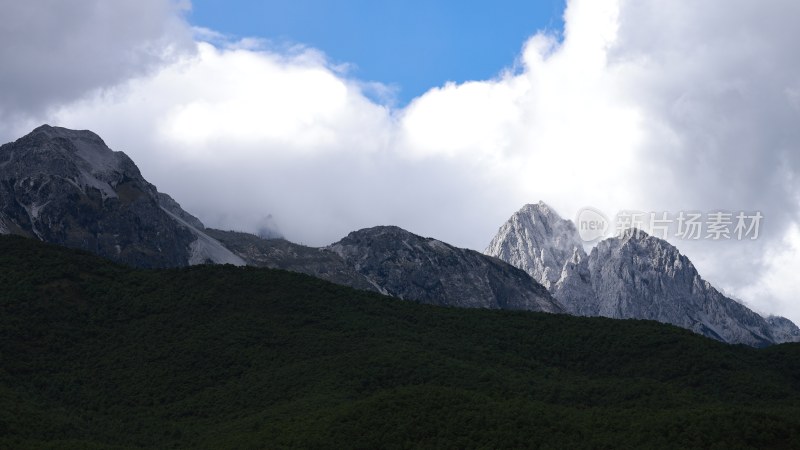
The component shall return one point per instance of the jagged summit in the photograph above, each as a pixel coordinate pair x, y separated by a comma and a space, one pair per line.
537, 240
645, 249
541, 210
539, 206
633, 233
631, 275
646, 277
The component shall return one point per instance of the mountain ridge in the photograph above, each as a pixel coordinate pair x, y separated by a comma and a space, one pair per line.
413, 267
633, 275
67, 187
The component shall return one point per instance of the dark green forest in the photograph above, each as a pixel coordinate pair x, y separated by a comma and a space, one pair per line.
98, 355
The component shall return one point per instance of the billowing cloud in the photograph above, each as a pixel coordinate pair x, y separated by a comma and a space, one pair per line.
55, 52
715, 86
645, 105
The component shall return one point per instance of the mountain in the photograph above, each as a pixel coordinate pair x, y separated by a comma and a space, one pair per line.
538, 241
97, 355
395, 262
639, 276
632, 276
411, 267
67, 187
277, 253
783, 329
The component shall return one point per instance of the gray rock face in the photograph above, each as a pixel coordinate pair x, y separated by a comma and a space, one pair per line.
415, 268
168, 203
783, 329
395, 262
67, 187
575, 285
285, 255
642, 277
538, 241
633, 276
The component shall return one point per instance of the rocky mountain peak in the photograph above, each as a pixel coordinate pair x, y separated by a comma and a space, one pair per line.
88, 149
413, 267
80, 156
537, 240
67, 187
46, 131
643, 251
644, 277
631, 275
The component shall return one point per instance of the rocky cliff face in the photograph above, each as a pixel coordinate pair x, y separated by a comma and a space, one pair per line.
642, 277
415, 268
783, 329
633, 276
575, 285
538, 241
67, 187
281, 254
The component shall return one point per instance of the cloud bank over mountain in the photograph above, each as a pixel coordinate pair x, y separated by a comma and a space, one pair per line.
648, 105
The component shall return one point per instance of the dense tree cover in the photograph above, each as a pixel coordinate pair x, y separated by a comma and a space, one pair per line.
97, 355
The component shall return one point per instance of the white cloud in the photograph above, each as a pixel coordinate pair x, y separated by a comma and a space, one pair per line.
645, 105
55, 52
258, 98
776, 291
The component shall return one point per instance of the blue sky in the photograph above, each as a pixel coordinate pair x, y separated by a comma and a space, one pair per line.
411, 45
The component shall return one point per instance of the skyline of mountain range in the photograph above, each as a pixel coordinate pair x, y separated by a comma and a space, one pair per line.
67, 187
